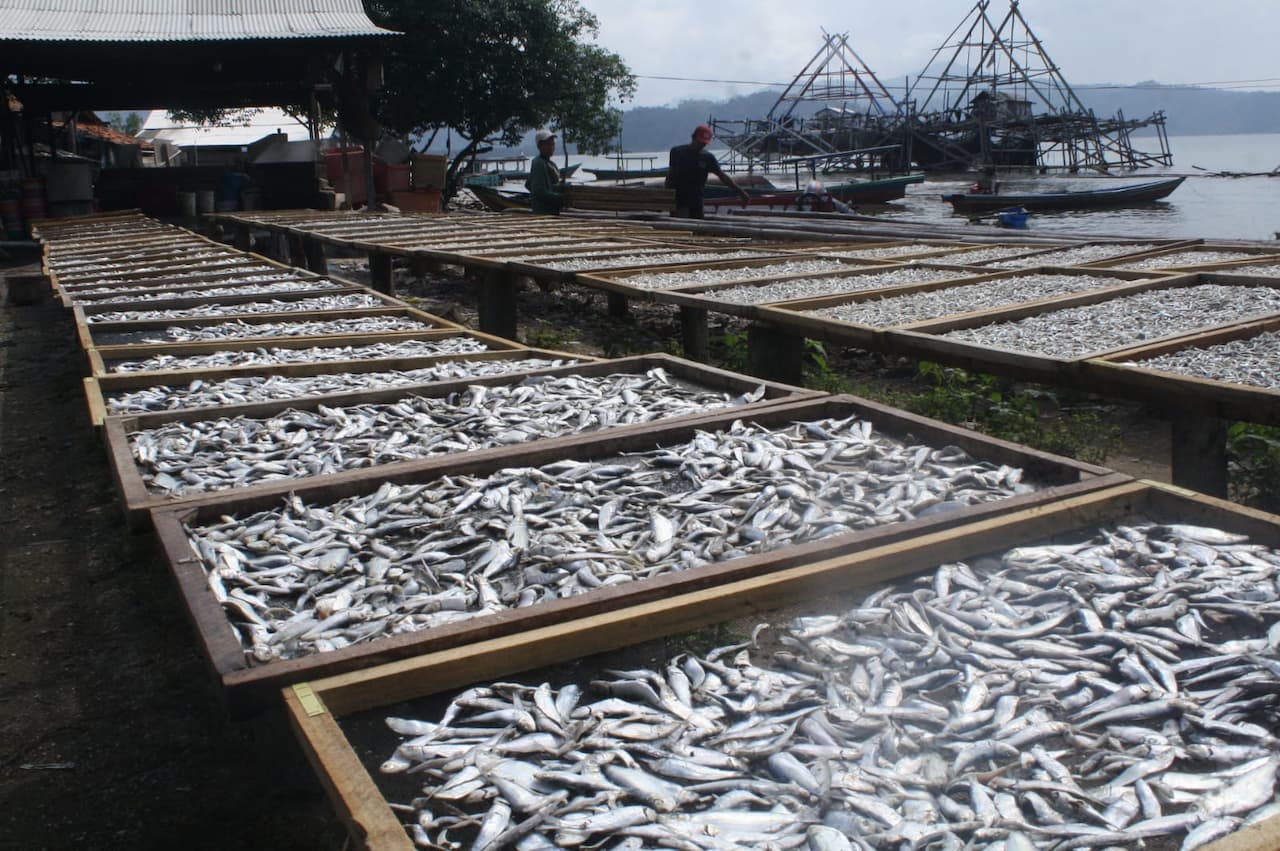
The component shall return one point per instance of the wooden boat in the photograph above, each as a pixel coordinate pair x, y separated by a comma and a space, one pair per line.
851, 192
496, 176
1118, 196
585, 197
627, 173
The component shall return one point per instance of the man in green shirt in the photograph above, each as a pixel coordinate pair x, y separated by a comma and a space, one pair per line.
546, 189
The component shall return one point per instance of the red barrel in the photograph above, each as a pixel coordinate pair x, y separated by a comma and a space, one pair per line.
33, 206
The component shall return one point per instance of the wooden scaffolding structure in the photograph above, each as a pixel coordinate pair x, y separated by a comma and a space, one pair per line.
991, 97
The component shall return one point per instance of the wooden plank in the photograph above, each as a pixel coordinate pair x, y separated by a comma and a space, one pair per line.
1264, 836
1060, 478
139, 503
99, 387
316, 260
91, 308
693, 333
440, 672
497, 303
380, 272
101, 330
676, 368
1126, 284
248, 687
775, 353
550, 644
1124, 373
352, 791
200, 347
218, 643
1199, 453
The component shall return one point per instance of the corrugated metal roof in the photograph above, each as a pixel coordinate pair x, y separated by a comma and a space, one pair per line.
182, 20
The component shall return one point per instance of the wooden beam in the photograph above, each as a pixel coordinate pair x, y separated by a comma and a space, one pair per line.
316, 261
297, 250
693, 329
1199, 453
360, 805
244, 237
498, 303
380, 275
619, 307
775, 354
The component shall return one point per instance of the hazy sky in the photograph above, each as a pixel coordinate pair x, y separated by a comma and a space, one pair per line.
1092, 41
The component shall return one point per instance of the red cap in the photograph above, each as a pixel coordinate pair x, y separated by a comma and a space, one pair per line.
702, 133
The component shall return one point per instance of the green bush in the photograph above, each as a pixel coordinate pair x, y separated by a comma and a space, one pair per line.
1253, 459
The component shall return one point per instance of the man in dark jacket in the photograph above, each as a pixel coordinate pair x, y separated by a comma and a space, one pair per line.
546, 189
690, 165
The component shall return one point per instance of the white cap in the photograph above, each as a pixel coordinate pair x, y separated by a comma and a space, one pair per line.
815, 187
543, 135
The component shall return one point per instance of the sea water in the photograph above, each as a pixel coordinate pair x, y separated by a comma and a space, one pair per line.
1204, 206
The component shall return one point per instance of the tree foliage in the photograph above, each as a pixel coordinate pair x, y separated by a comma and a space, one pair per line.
491, 70
129, 123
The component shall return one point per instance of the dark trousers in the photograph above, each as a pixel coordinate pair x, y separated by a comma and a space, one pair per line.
688, 208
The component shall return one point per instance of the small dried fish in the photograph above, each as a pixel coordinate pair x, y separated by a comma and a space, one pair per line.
265, 356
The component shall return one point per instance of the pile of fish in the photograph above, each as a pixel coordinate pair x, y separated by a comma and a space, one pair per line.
817, 287
978, 256
355, 301
247, 275
489, 246
305, 578
1104, 693
246, 389
178, 459
163, 270
80, 267
967, 298
1118, 322
1077, 256
720, 275
662, 256
1186, 260
1251, 360
270, 357
266, 285
238, 330
1252, 270
889, 251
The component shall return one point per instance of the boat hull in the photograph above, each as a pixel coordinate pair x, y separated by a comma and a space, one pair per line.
1117, 197
862, 192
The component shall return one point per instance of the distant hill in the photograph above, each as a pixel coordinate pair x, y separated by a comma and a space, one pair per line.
1188, 111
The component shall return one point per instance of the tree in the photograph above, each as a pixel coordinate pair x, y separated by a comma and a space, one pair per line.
491, 70
129, 123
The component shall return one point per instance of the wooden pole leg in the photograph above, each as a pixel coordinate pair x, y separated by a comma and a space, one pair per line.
420, 267
297, 250
380, 276
618, 306
244, 237
1199, 449
775, 355
497, 303
316, 261
693, 329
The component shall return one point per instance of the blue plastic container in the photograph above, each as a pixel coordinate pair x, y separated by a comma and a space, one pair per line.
1015, 217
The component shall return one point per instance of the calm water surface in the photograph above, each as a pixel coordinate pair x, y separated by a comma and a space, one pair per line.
1203, 207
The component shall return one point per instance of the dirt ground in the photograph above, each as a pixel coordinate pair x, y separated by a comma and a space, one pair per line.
112, 734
